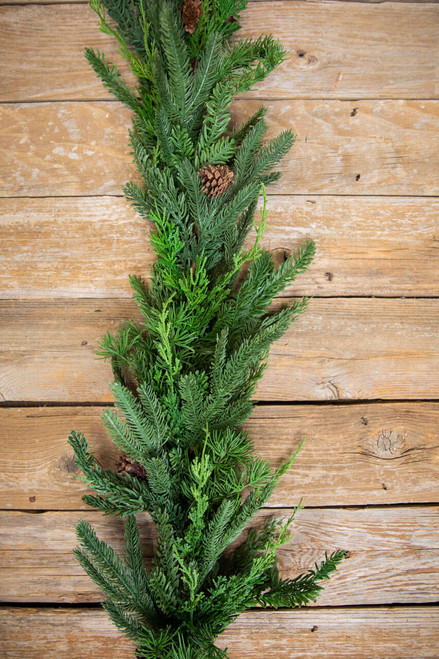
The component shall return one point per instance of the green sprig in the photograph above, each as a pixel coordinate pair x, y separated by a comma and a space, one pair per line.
186, 370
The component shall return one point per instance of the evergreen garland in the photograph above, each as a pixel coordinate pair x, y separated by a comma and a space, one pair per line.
186, 374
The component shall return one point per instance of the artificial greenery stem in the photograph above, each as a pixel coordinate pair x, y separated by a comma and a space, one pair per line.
185, 374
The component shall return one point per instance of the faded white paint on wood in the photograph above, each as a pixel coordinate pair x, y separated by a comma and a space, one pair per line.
383, 147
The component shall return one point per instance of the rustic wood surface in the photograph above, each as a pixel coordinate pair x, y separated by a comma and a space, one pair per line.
340, 349
388, 246
357, 374
373, 147
391, 559
250, 2
408, 632
333, 50
353, 454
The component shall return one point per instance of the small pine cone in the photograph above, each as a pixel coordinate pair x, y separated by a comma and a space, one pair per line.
191, 14
126, 465
215, 179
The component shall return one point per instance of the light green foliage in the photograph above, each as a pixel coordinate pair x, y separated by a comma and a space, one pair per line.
186, 373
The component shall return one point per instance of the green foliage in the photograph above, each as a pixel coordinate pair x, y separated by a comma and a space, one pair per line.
186, 371
302, 589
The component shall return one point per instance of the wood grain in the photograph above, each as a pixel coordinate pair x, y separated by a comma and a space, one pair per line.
382, 246
370, 243
343, 147
341, 633
353, 454
341, 349
393, 554
337, 50
83, 2
338, 634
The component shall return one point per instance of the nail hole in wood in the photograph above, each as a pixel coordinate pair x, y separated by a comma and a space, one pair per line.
280, 255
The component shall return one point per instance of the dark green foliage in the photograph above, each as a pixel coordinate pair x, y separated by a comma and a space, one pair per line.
186, 373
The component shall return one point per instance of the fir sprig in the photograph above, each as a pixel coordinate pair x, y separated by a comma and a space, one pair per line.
186, 372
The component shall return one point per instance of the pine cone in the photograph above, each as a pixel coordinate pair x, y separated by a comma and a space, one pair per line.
126, 465
215, 179
191, 14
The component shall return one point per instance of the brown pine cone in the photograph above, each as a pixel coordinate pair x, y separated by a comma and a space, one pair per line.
126, 465
191, 14
215, 179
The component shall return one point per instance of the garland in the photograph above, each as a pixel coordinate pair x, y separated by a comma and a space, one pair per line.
186, 374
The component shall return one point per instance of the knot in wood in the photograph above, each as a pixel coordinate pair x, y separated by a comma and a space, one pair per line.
389, 444
303, 59
67, 464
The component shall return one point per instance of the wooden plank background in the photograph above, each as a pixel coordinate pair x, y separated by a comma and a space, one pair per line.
357, 374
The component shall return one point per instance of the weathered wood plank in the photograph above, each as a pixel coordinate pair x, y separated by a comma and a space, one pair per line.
65, 247
353, 454
341, 633
84, 2
67, 633
338, 50
341, 349
393, 554
343, 147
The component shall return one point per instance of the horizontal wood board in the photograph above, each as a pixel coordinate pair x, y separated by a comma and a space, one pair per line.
337, 50
391, 559
340, 633
84, 2
340, 349
380, 147
382, 246
352, 455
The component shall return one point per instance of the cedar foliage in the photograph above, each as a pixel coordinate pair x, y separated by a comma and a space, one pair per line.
186, 374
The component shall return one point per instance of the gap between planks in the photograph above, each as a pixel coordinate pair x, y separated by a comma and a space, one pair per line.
273, 510
260, 404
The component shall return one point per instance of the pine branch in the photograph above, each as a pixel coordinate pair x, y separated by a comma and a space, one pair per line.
303, 589
110, 77
105, 562
186, 373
